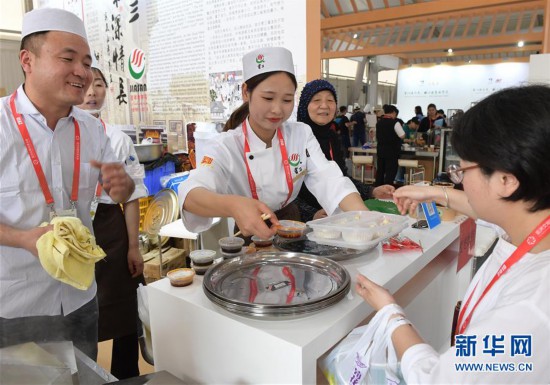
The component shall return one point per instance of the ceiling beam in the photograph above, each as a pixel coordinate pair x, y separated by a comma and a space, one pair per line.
471, 52
372, 50
419, 10
478, 61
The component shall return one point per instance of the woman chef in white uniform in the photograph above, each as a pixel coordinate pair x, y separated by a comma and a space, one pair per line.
258, 166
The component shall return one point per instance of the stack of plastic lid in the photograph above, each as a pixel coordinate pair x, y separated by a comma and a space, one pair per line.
202, 260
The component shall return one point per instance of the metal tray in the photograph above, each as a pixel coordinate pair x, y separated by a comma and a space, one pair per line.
276, 284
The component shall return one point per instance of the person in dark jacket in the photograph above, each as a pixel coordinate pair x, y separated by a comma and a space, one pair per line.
389, 135
343, 124
317, 108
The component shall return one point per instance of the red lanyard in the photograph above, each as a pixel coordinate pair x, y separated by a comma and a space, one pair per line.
36, 161
98, 186
528, 243
286, 165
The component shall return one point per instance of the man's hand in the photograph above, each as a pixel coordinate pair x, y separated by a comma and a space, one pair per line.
116, 181
29, 241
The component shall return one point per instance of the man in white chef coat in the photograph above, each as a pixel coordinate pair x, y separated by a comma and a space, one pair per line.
51, 156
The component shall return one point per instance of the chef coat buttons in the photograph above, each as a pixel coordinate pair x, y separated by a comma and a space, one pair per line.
250, 157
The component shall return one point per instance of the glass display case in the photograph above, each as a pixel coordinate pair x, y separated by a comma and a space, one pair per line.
447, 156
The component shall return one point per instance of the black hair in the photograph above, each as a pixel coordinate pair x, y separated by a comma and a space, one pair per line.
431, 105
418, 110
501, 133
239, 115
101, 74
33, 42
343, 109
389, 108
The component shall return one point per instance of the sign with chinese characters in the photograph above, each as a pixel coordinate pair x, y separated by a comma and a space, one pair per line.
455, 86
181, 60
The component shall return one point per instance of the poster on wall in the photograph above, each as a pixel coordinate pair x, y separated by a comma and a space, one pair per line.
181, 60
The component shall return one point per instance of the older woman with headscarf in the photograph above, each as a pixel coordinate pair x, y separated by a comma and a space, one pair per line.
317, 108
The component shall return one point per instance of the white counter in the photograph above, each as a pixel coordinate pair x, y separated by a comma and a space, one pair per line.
200, 342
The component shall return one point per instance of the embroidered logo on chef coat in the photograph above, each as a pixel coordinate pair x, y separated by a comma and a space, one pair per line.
260, 60
294, 160
295, 163
207, 161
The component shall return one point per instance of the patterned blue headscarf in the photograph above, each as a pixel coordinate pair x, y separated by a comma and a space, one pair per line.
310, 89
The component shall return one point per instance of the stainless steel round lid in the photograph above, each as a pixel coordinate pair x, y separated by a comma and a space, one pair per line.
276, 284
162, 210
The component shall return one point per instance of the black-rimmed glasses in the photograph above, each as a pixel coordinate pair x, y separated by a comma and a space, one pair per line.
456, 173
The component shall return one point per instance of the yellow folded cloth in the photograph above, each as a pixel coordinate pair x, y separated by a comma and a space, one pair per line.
69, 252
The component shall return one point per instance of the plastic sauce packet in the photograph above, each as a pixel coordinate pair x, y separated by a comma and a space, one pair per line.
400, 243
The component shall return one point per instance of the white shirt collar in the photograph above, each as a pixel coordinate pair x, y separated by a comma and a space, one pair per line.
26, 107
255, 143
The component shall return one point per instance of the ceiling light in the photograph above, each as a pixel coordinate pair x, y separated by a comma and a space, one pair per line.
450, 50
355, 36
521, 43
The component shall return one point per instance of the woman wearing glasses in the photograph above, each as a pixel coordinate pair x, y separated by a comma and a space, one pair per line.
505, 315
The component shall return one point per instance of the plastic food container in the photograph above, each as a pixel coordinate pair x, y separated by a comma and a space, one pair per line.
231, 245
233, 255
356, 229
260, 242
181, 277
202, 257
328, 233
201, 269
291, 229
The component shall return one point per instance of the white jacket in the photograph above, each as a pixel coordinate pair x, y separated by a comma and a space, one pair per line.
223, 170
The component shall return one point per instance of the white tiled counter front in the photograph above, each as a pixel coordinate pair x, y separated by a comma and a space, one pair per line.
200, 342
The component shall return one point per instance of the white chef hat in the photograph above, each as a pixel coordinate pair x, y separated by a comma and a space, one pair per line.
52, 19
267, 59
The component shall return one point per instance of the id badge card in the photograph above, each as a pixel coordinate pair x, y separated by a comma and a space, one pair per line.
63, 213
93, 208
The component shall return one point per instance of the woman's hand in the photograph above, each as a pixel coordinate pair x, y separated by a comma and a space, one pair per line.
383, 192
135, 262
320, 214
407, 198
375, 295
247, 213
